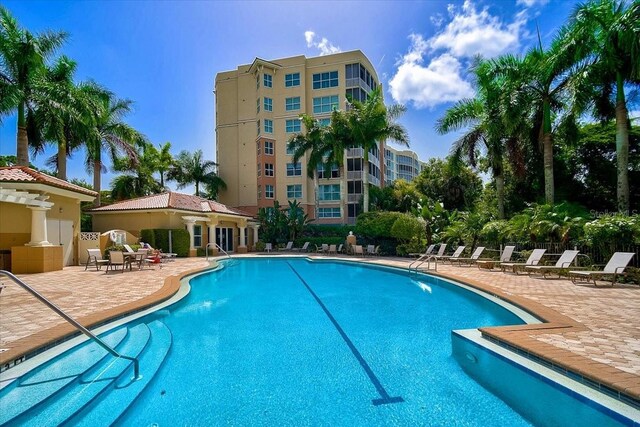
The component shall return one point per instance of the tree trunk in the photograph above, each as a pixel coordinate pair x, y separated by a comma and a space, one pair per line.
62, 161
365, 179
316, 190
97, 171
622, 146
162, 180
547, 144
500, 194
22, 140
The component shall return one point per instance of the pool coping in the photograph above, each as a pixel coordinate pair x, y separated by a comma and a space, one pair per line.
517, 338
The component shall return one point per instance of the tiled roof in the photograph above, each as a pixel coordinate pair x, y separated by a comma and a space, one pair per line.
171, 200
25, 174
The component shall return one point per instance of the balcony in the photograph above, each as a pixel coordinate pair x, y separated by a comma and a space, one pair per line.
354, 175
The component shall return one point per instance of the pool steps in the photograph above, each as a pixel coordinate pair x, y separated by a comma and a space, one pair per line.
101, 382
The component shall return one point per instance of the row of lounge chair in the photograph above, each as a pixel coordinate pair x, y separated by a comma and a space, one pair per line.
612, 271
328, 249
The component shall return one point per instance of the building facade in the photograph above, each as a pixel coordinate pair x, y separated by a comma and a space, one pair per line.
401, 164
258, 106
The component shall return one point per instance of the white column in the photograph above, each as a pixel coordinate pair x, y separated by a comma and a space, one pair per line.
212, 233
242, 237
255, 234
190, 224
38, 226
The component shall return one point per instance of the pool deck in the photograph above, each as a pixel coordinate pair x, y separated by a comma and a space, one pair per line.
591, 331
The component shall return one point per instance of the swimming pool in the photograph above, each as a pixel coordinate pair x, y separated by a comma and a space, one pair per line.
289, 341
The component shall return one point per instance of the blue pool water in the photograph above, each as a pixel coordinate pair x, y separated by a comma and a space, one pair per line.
293, 342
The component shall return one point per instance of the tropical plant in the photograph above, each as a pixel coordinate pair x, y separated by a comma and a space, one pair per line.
449, 182
191, 168
297, 219
609, 32
273, 223
109, 133
23, 57
163, 160
370, 123
610, 231
137, 178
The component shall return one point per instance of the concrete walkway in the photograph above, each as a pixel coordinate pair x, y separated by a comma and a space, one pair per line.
592, 331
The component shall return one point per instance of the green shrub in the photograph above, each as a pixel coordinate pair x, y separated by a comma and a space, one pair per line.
260, 245
161, 236
148, 236
329, 230
376, 224
413, 247
180, 241
494, 233
612, 231
408, 228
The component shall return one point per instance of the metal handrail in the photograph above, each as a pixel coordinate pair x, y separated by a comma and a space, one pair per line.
206, 250
65, 316
422, 260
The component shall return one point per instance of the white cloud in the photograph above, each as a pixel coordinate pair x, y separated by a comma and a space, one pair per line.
437, 20
529, 3
471, 33
324, 45
426, 87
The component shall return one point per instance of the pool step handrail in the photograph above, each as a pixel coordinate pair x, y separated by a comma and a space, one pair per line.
215, 245
415, 265
65, 316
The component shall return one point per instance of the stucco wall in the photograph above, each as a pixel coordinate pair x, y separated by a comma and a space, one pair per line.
133, 222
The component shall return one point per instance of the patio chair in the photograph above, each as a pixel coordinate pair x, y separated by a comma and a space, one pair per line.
507, 252
288, 247
128, 249
456, 254
473, 258
168, 256
563, 263
429, 251
357, 250
332, 249
373, 250
614, 268
268, 247
94, 256
533, 259
116, 258
323, 249
340, 248
304, 248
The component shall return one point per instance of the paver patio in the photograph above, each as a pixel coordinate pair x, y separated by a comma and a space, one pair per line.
594, 331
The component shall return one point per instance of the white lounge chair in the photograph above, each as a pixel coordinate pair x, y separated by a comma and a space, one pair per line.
614, 268
533, 259
268, 247
507, 252
94, 257
357, 250
332, 249
456, 254
563, 263
288, 247
473, 258
323, 249
429, 251
304, 248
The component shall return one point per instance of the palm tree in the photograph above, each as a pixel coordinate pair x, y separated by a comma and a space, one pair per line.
137, 179
164, 160
610, 33
370, 123
484, 119
23, 56
191, 168
109, 133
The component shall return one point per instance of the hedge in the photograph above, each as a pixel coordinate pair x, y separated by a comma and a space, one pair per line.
148, 236
158, 238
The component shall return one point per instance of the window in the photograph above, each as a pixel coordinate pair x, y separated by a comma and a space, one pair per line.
268, 191
291, 80
324, 123
268, 169
197, 236
259, 169
335, 171
258, 123
259, 191
294, 169
257, 105
325, 104
292, 104
292, 125
325, 80
354, 187
328, 212
294, 191
329, 192
268, 126
268, 104
268, 80
268, 148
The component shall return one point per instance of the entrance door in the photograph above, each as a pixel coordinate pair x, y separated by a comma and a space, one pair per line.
60, 232
224, 238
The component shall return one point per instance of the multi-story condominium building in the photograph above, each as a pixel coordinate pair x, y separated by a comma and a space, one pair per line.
258, 106
400, 164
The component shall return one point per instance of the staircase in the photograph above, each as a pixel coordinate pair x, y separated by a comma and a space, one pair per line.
87, 385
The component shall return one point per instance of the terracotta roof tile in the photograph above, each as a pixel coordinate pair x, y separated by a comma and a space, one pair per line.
171, 200
25, 174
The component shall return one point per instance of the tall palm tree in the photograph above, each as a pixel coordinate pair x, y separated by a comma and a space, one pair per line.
137, 179
609, 32
191, 168
164, 160
483, 117
111, 134
370, 123
311, 143
23, 56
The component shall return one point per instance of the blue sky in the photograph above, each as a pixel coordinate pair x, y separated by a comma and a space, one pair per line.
164, 55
